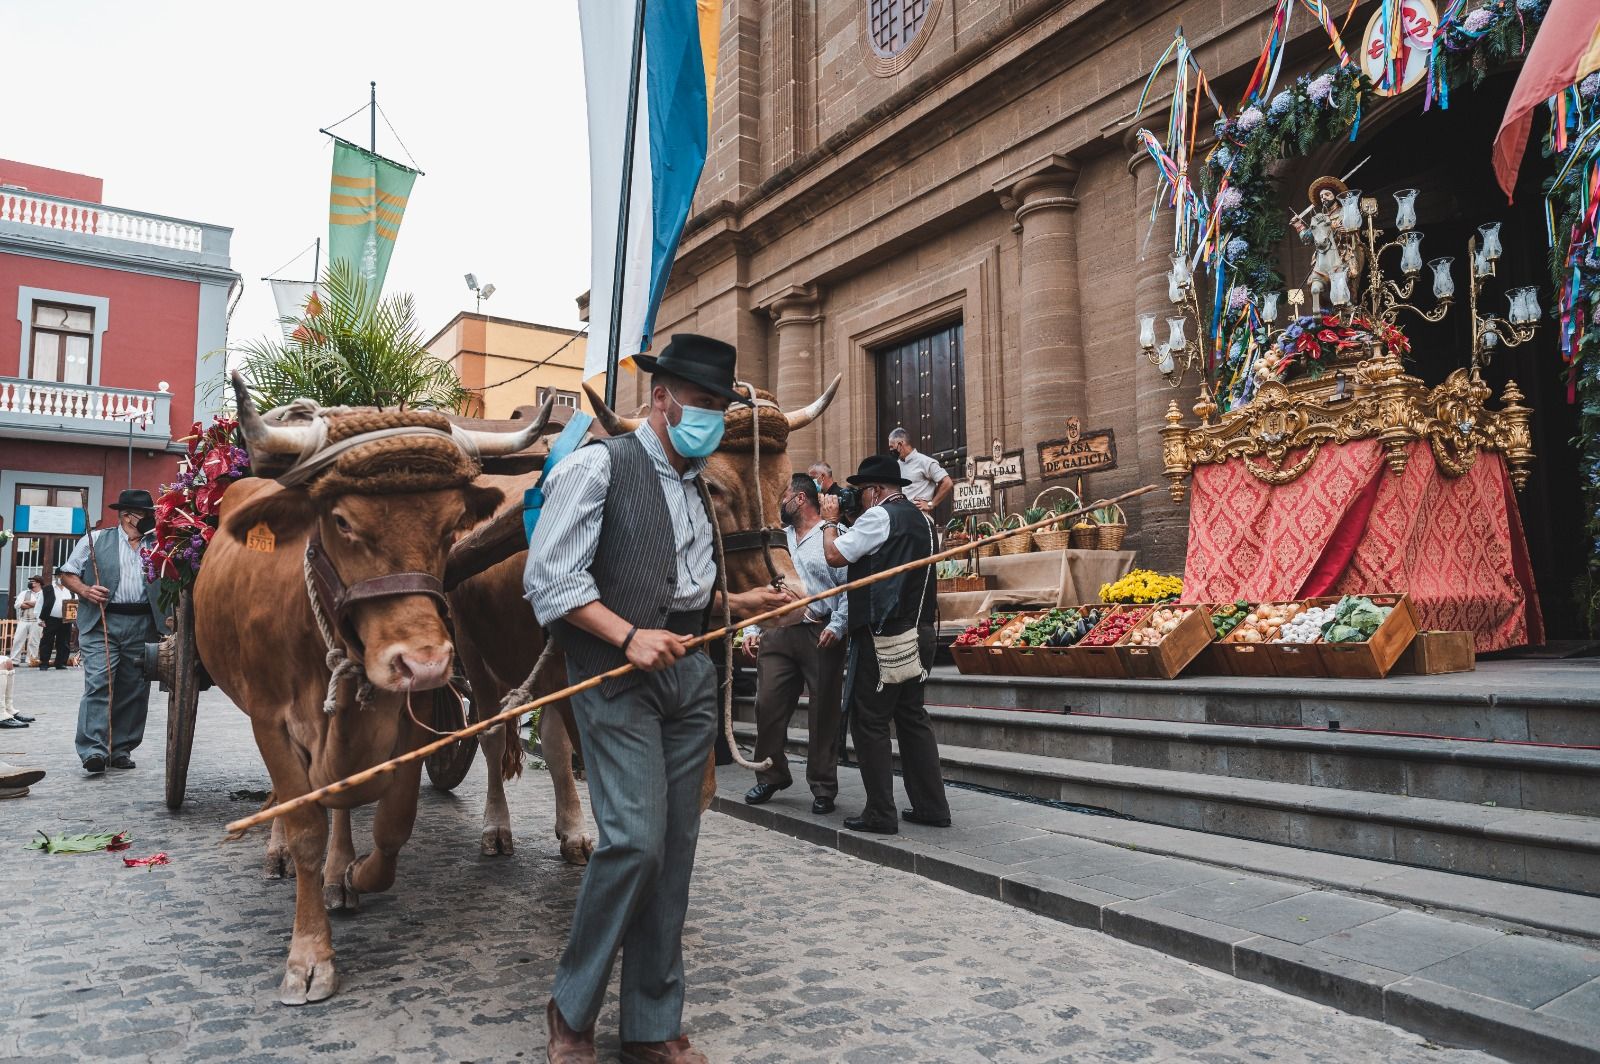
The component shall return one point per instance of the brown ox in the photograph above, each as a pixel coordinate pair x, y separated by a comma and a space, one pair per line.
499, 641
257, 634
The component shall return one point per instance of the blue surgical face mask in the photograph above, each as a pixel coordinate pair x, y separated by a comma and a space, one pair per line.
698, 431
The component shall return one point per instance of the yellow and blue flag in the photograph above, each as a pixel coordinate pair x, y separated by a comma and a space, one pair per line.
670, 134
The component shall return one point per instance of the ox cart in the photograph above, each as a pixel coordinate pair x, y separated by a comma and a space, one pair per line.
175, 662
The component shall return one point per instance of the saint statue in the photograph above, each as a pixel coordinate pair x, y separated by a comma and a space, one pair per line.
1332, 246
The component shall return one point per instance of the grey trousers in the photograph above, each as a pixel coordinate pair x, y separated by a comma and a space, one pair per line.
645, 751
790, 659
127, 637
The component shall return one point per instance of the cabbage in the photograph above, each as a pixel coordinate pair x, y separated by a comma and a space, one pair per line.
1355, 620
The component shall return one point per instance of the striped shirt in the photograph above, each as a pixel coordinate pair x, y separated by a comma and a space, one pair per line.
817, 575
130, 575
556, 579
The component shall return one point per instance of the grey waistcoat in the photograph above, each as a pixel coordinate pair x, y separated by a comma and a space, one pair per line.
635, 563
107, 563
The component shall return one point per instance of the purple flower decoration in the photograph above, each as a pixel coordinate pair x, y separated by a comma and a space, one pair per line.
1229, 199
1250, 118
1589, 86
1237, 247
1238, 295
1478, 21
1321, 89
1281, 102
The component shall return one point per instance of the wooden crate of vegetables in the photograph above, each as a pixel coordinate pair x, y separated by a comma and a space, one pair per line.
1003, 660
1166, 641
1224, 618
1096, 654
1069, 625
1366, 635
971, 656
1028, 650
1243, 652
1293, 650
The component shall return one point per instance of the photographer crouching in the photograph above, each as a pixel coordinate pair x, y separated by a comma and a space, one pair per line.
891, 644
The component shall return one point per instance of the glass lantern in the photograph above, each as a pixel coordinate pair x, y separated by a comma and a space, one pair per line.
1444, 286
1339, 287
1530, 304
1269, 307
1174, 290
1165, 365
1490, 244
1350, 211
1147, 331
1175, 339
1405, 213
1180, 271
1411, 252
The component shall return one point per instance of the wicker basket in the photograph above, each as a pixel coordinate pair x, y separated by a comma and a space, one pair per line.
1021, 543
1050, 540
1109, 537
1082, 538
988, 550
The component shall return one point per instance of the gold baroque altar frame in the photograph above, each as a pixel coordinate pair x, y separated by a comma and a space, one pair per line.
1388, 405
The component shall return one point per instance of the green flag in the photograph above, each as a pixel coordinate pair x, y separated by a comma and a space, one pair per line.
365, 204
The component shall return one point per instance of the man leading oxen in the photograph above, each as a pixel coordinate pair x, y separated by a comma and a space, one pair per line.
320, 611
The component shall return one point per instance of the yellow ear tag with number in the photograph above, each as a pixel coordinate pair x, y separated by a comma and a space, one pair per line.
261, 539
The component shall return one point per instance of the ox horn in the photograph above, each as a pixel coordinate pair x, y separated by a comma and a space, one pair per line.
497, 444
264, 439
614, 423
799, 419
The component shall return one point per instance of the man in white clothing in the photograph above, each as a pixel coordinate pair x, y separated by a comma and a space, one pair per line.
930, 483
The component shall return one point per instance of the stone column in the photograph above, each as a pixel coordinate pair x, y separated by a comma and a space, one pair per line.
796, 313
1051, 319
1160, 527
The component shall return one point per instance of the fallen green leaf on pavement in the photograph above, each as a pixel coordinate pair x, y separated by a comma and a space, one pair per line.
91, 843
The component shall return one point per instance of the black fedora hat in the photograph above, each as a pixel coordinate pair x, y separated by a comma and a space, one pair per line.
878, 469
134, 499
698, 360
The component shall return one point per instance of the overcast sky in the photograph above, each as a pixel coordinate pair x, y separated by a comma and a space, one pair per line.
210, 111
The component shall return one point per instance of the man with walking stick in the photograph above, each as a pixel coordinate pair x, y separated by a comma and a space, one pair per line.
118, 613
621, 569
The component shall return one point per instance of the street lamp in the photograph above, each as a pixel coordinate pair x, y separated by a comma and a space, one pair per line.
481, 293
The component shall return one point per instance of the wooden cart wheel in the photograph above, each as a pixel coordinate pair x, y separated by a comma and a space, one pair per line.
182, 702
447, 767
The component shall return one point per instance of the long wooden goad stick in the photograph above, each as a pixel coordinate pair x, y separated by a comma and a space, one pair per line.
470, 730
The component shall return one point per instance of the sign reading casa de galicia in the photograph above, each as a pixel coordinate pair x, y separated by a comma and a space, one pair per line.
1089, 452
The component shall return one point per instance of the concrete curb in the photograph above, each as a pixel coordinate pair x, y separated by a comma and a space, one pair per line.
1440, 1013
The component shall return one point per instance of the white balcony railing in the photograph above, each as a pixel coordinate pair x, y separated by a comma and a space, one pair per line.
72, 216
32, 408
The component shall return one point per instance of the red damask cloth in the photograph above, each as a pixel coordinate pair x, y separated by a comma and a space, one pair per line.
1348, 525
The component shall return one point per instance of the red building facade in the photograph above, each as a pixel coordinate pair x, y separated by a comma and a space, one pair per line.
114, 349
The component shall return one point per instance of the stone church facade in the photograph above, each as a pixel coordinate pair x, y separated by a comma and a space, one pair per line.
943, 201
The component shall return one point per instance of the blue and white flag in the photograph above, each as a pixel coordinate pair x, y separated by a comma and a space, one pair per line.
670, 134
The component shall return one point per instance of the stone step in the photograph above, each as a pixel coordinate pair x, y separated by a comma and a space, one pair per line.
1314, 925
1516, 701
1544, 849
1481, 772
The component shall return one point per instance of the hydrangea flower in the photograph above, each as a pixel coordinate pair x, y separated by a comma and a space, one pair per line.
1589, 85
1236, 248
1529, 6
1238, 295
1321, 89
1282, 102
1229, 199
1478, 20
1224, 156
1250, 118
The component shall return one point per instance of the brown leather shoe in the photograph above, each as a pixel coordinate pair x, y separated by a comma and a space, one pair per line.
566, 1046
677, 1051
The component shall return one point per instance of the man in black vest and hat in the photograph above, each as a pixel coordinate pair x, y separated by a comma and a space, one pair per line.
118, 613
891, 635
620, 568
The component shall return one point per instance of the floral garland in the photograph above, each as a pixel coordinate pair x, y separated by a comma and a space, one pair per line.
1575, 272
1468, 44
186, 510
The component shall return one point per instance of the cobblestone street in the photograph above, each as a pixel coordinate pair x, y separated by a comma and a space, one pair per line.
794, 952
